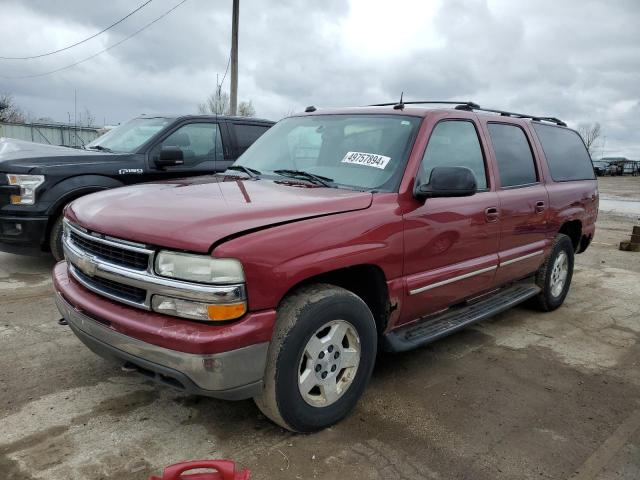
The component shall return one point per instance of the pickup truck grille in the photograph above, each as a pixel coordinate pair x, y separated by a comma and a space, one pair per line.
110, 252
111, 288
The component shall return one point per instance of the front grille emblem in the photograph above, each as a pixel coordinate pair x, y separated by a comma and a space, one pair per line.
87, 265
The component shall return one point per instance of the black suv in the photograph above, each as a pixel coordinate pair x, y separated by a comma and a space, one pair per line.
37, 181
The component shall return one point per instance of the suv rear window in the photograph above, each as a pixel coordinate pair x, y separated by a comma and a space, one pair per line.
567, 157
513, 155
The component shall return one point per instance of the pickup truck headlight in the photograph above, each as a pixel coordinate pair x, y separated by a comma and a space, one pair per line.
28, 185
199, 268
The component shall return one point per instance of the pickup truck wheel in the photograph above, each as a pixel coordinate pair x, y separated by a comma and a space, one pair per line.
554, 276
320, 359
55, 240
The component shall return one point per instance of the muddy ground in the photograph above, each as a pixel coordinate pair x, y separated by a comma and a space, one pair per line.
525, 395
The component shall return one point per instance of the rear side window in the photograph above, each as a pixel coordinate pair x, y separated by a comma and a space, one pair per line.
513, 155
247, 134
454, 143
567, 157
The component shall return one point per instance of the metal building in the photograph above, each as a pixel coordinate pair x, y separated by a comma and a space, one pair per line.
50, 133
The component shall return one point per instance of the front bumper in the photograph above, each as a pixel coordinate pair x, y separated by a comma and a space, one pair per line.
22, 235
233, 375
221, 361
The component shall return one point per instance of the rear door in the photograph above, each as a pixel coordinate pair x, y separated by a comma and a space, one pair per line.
244, 134
451, 244
523, 201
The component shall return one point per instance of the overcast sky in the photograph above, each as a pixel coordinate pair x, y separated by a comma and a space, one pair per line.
578, 60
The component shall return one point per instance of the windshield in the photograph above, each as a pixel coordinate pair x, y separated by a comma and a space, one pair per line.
353, 151
128, 137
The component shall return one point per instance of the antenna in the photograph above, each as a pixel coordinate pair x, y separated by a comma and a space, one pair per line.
399, 106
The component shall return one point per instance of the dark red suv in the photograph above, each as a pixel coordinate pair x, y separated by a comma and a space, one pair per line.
336, 234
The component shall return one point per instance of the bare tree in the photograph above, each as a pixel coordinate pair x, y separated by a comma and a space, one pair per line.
590, 133
9, 111
218, 103
246, 109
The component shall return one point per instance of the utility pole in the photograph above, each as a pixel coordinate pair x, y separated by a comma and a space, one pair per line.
233, 102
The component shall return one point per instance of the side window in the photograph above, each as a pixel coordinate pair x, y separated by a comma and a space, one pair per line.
454, 143
513, 155
566, 155
247, 134
199, 142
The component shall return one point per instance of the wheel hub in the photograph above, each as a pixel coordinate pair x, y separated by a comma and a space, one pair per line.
329, 363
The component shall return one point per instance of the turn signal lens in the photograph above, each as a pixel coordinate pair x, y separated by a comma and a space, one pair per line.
226, 312
16, 199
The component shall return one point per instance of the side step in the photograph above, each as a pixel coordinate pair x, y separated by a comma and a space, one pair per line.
435, 327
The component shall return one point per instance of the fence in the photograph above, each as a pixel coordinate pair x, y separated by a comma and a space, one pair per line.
50, 133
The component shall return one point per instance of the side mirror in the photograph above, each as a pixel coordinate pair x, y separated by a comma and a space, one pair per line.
448, 182
169, 157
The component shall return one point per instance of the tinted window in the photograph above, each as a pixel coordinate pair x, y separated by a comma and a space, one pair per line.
247, 134
454, 144
513, 155
199, 142
566, 154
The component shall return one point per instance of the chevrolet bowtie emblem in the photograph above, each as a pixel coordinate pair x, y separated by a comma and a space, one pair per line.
87, 264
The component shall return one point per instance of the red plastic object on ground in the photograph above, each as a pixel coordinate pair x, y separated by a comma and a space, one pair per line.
224, 470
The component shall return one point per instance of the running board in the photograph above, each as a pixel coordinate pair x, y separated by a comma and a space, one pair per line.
435, 327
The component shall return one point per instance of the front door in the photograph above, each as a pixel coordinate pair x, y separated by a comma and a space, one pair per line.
451, 244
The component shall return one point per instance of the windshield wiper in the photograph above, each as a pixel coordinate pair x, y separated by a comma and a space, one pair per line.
101, 148
324, 181
252, 172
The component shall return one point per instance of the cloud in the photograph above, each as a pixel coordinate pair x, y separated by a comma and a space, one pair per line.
576, 60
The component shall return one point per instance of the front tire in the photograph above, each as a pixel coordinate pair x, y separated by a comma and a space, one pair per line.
55, 240
555, 274
320, 359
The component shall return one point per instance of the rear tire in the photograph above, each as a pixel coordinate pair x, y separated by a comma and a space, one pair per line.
555, 274
55, 240
320, 359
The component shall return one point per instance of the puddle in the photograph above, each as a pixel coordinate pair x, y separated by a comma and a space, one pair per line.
620, 206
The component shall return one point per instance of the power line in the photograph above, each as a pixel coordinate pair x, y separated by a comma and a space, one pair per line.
101, 51
81, 41
226, 70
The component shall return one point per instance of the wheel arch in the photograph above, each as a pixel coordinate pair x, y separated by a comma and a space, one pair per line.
367, 281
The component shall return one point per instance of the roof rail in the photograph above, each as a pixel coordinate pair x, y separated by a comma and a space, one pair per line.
504, 113
471, 106
400, 106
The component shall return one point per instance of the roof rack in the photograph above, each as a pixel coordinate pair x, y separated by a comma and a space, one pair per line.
471, 106
401, 104
503, 113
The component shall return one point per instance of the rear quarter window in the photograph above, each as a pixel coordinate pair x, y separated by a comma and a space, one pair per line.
566, 155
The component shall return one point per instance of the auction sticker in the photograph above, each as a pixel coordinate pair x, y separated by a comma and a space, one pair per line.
366, 159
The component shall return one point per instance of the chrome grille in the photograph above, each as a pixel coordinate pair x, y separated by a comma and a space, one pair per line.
123, 271
110, 252
116, 289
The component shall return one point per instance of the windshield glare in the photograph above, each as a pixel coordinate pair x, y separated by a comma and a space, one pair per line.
356, 151
128, 137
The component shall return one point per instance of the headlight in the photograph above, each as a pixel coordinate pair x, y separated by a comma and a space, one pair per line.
28, 185
199, 268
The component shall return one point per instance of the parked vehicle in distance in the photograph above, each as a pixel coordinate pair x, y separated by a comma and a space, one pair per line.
37, 181
600, 168
338, 233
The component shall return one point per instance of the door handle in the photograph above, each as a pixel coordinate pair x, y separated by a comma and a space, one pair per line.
540, 207
491, 214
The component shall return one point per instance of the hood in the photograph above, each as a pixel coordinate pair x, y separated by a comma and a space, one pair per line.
193, 214
29, 155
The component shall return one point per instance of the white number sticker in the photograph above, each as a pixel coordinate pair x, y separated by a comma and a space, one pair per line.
366, 159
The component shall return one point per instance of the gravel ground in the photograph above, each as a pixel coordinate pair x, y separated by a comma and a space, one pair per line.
525, 395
